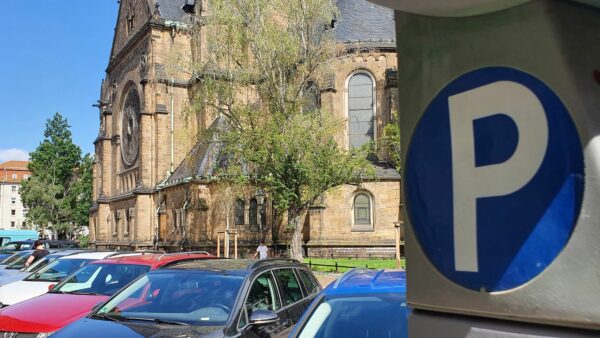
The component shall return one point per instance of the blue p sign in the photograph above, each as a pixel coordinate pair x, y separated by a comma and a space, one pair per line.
494, 179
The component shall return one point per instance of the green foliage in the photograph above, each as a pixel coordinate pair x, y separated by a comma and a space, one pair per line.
60, 189
263, 55
391, 141
358, 263
84, 241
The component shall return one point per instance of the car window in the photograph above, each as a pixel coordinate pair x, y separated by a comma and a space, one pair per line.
57, 270
358, 316
10, 247
18, 263
194, 297
290, 287
263, 295
101, 279
309, 283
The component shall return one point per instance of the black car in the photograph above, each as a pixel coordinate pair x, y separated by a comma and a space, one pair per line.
216, 298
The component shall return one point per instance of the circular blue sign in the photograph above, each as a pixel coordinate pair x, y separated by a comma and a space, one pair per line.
494, 179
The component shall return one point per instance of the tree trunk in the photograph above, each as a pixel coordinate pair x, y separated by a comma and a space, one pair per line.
297, 223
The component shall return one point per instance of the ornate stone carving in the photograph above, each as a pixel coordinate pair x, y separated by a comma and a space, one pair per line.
130, 128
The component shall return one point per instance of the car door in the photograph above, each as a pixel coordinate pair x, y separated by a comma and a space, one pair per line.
293, 297
263, 294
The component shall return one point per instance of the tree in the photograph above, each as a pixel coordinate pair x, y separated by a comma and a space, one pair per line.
59, 190
265, 55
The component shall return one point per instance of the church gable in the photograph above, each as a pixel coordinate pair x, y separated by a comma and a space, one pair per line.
133, 15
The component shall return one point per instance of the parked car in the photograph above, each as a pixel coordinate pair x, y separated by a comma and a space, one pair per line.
17, 275
15, 246
38, 282
216, 298
16, 264
79, 292
361, 303
14, 257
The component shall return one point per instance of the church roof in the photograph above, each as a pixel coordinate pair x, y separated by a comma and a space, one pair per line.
359, 21
172, 10
362, 21
204, 158
385, 171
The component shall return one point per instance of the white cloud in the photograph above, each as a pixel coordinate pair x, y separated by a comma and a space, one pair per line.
13, 154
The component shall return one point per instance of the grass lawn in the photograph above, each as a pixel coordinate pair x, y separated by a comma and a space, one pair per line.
353, 262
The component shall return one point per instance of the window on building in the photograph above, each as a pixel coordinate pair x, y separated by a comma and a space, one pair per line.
25, 176
14, 176
12, 224
13, 200
312, 97
13, 212
263, 213
361, 126
240, 205
14, 188
253, 212
362, 209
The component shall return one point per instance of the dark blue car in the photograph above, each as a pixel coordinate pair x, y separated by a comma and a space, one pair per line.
361, 303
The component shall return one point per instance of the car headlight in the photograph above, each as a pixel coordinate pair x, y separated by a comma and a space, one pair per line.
44, 335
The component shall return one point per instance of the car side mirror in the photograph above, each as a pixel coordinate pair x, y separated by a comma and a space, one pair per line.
263, 317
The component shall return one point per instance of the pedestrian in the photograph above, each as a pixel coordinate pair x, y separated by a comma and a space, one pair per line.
40, 252
262, 250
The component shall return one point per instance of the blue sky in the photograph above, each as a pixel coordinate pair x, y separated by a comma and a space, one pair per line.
53, 58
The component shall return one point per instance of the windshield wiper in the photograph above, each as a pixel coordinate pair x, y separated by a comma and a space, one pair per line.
107, 316
81, 293
156, 320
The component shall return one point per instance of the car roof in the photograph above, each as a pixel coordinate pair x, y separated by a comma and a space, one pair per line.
235, 264
155, 260
92, 255
368, 281
65, 252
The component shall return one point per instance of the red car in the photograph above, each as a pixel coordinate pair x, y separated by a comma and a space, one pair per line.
77, 294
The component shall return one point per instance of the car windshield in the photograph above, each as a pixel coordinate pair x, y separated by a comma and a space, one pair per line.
18, 263
100, 279
57, 270
40, 263
12, 258
358, 316
198, 298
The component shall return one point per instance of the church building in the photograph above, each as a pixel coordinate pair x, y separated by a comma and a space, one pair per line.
155, 184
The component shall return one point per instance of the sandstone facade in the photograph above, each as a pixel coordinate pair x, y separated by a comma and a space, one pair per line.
143, 197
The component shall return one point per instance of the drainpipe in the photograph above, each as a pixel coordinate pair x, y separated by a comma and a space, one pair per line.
172, 123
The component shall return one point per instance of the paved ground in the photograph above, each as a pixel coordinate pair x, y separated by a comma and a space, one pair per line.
325, 278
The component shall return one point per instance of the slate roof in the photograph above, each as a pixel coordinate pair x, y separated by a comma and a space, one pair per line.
172, 10
385, 171
362, 21
359, 21
204, 158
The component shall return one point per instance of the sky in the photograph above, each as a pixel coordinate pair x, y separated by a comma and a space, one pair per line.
53, 58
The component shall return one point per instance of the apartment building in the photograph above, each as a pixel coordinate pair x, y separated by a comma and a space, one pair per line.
12, 212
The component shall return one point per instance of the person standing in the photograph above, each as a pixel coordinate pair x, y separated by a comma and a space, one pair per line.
40, 252
261, 251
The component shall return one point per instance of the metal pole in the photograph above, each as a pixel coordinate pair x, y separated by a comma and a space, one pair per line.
218, 245
397, 226
235, 252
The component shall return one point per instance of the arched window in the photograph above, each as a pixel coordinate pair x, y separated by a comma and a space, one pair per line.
361, 126
263, 213
362, 209
312, 97
253, 212
240, 205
